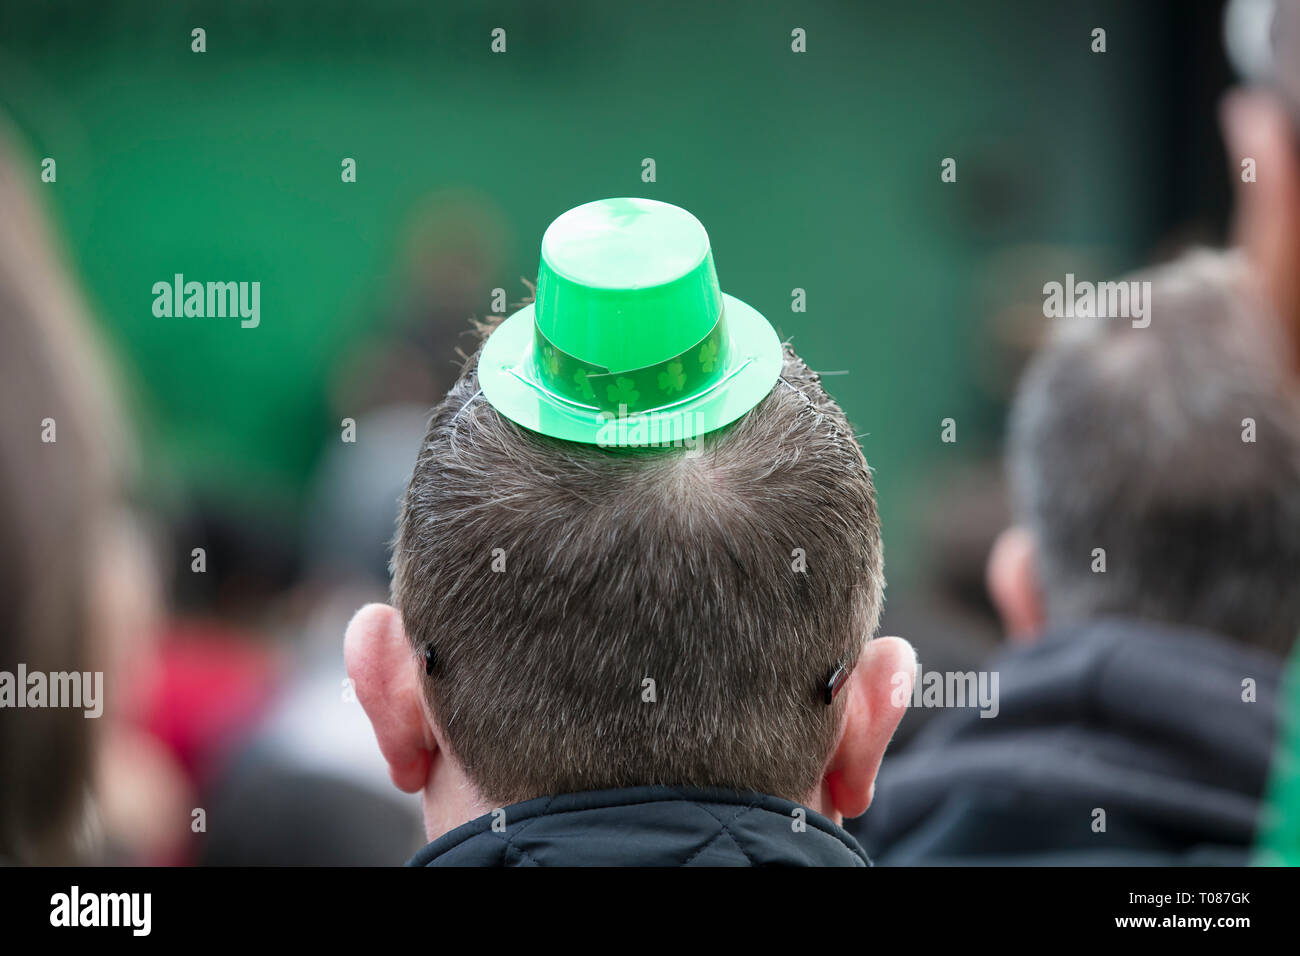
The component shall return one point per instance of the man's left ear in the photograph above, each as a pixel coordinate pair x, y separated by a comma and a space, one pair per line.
878, 693
382, 668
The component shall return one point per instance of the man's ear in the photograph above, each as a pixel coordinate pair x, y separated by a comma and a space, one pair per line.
878, 693
1012, 579
383, 671
1266, 221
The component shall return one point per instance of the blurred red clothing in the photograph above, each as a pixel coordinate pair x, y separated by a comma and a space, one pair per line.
210, 684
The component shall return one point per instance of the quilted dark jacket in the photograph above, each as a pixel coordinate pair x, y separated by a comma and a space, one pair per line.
648, 826
1149, 723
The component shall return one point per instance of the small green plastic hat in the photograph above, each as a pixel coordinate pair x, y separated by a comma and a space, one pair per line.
630, 341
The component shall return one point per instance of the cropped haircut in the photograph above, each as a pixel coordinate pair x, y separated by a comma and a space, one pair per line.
656, 616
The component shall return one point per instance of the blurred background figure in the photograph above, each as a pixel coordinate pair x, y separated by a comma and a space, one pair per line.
1261, 123
314, 739
1151, 581
76, 575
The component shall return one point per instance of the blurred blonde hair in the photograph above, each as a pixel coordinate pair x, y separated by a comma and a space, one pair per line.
56, 501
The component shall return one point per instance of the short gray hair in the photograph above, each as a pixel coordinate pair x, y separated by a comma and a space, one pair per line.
1132, 440
680, 566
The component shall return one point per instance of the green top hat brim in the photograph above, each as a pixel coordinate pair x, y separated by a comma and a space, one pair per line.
753, 364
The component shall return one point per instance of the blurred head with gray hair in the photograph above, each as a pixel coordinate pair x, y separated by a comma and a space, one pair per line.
1156, 470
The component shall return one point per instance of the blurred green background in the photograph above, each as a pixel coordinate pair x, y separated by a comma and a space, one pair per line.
818, 171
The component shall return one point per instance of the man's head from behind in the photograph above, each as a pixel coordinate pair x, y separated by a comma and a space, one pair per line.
604, 618
1157, 470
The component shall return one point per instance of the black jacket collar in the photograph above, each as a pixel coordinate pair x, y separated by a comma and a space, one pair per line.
647, 826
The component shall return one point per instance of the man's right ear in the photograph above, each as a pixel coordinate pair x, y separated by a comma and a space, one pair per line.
384, 674
1012, 579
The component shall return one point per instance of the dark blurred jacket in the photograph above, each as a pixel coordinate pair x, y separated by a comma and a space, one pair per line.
1143, 722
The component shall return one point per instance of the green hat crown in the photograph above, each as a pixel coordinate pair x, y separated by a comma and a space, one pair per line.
629, 321
628, 310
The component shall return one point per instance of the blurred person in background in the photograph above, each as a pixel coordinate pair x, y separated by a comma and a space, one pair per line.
311, 736
76, 581
1151, 583
1261, 124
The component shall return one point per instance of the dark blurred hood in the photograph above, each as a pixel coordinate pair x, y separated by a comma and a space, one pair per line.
1145, 723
